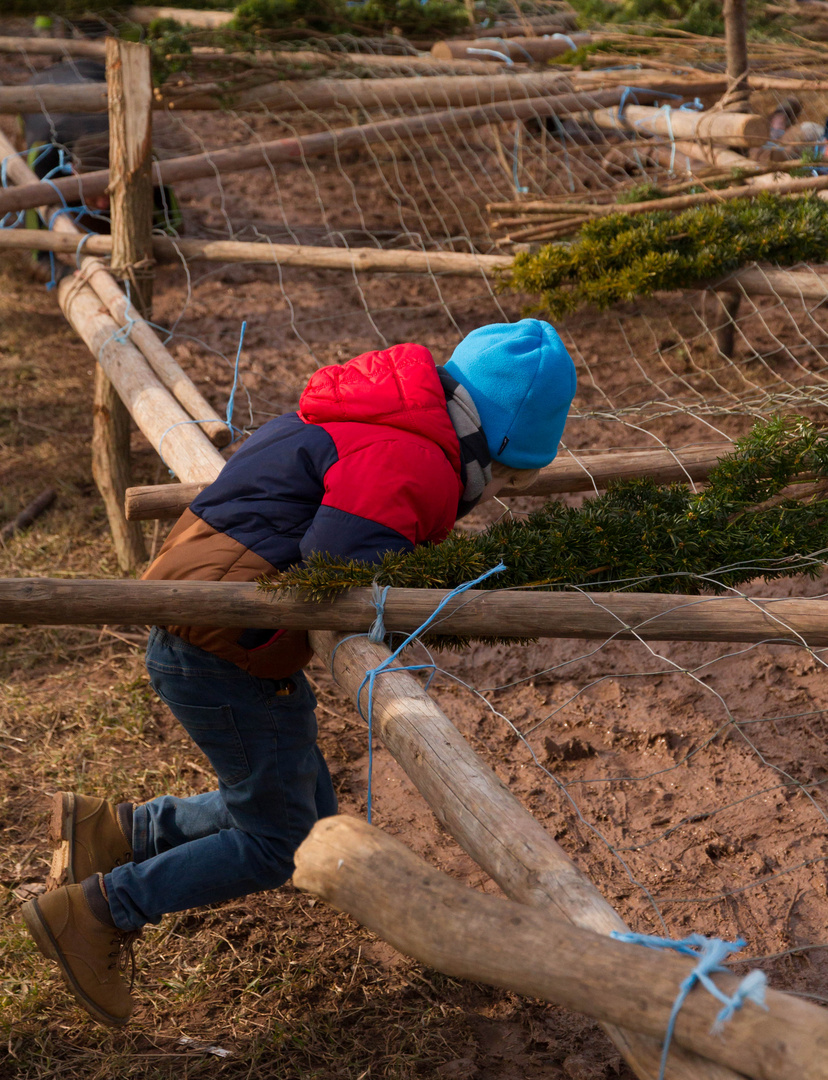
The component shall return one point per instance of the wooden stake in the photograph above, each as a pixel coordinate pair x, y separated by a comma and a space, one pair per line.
466, 934
515, 613
720, 311
737, 98
129, 86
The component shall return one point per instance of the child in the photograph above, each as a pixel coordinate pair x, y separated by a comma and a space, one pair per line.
385, 452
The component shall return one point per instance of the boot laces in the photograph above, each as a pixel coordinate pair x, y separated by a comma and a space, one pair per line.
124, 950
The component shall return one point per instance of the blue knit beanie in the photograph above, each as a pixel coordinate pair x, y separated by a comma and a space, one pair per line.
522, 381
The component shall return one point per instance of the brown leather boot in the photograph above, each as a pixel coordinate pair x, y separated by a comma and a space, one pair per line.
90, 836
73, 927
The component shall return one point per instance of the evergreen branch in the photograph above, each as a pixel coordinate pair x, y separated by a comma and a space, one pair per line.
618, 258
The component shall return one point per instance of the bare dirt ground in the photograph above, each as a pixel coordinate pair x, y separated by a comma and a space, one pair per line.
688, 781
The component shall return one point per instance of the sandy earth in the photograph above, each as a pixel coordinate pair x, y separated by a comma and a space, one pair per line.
687, 780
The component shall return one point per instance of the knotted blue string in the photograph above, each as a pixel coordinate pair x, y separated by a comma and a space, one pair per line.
230, 401
376, 634
710, 952
371, 675
566, 38
492, 52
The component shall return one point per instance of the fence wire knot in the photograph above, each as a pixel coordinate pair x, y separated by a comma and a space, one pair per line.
710, 953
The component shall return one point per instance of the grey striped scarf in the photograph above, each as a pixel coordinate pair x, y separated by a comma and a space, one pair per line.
475, 459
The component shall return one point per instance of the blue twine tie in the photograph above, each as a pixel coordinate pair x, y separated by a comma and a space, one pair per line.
710, 952
371, 674
376, 635
230, 401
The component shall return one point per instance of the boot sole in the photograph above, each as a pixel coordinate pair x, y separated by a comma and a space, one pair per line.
51, 950
62, 837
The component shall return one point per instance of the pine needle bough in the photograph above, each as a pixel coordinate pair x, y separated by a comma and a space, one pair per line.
637, 536
620, 257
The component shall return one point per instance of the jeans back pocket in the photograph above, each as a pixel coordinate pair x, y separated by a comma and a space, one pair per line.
213, 730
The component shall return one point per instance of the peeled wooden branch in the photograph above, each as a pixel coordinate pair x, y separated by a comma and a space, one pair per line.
466, 934
488, 821
516, 613
582, 472
237, 159
29, 514
460, 264
520, 49
34, 46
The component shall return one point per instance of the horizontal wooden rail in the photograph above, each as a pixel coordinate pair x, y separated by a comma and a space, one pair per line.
369, 260
280, 151
500, 613
807, 284
466, 934
581, 472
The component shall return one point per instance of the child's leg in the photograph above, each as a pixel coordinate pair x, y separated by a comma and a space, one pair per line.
273, 785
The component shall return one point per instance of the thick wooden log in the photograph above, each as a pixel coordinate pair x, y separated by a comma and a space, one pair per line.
83, 98
202, 20
466, 934
520, 49
488, 821
35, 46
734, 129
500, 613
737, 97
257, 155
185, 449
582, 472
438, 92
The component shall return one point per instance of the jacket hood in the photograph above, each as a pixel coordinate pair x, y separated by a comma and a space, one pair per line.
398, 387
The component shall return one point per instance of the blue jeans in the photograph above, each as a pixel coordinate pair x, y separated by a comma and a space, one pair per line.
273, 785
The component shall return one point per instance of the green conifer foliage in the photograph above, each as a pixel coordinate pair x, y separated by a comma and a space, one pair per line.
622, 256
637, 536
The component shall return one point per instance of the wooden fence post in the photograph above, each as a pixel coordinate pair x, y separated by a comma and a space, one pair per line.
737, 96
129, 88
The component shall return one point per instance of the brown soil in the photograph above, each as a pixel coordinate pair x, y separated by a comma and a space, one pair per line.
687, 780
